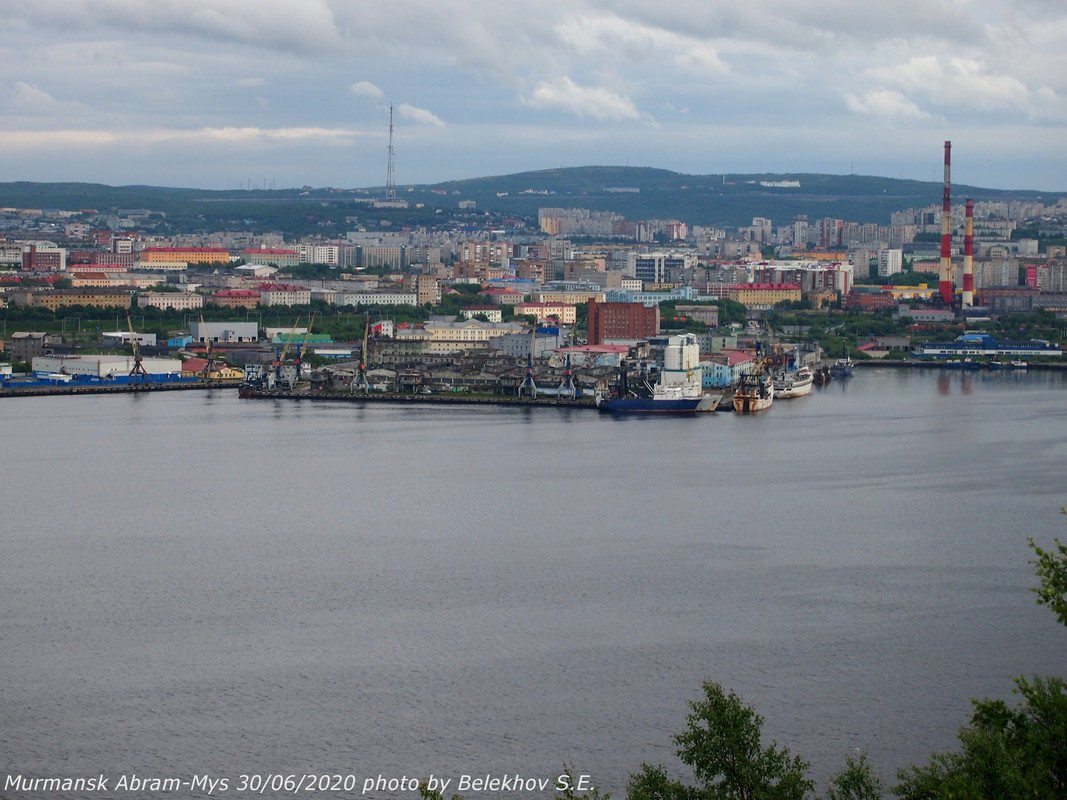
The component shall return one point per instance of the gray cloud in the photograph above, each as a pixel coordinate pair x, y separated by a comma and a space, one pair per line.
850, 73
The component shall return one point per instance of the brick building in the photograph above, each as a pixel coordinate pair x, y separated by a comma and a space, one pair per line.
625, 321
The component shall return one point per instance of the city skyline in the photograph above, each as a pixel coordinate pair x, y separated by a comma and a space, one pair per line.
227, 93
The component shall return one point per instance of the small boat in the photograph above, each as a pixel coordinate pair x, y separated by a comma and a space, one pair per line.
793, 383
1017, 364
754, 392
842, 368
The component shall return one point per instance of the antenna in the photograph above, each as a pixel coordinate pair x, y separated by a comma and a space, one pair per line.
390, 183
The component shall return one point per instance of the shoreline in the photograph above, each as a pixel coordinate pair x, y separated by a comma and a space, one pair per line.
446, 399
14, 390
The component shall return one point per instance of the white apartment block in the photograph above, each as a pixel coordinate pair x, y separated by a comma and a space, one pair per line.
377, 299
890, 262
320, 254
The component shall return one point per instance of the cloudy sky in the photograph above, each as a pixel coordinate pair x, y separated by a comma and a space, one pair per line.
237, 93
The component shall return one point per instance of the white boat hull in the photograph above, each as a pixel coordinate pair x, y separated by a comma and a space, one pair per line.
793, 384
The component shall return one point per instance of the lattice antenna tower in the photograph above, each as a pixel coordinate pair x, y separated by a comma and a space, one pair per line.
390, 182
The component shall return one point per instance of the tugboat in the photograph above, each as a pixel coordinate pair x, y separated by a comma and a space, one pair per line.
842, 368
679, 389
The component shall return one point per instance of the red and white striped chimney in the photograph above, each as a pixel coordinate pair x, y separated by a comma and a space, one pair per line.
968, 256
945, 278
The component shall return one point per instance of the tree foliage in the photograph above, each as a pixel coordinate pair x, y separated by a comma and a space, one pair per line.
856, 781
1051, 566
723, 746
1009, 752
1005, 752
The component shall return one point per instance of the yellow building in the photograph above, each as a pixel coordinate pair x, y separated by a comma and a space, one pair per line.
763, 295
62, 298
571, 298
194, 368
563, 312
921, 292
450, 337
188, 255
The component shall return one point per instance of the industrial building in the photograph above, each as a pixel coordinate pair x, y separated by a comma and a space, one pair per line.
103, 366
225, 331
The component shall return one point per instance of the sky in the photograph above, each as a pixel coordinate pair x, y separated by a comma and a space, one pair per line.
227, 94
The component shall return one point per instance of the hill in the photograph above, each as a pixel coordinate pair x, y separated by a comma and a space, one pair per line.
730, 200
633, 192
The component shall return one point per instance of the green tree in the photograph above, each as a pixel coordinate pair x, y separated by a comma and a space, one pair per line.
856, 781
1009, 752
1004, 753
723, 746
1052, 573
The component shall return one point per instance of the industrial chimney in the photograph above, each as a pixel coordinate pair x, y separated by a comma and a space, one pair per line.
968, 257
945, 278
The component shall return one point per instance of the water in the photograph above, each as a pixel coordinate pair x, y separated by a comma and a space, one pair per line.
192, 584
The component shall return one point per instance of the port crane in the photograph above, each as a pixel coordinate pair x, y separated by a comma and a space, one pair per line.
528, 388
137, 372
302, 352
281, 355
205, 374
360, 384
567, 388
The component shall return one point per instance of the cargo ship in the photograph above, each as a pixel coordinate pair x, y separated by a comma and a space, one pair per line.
679, 389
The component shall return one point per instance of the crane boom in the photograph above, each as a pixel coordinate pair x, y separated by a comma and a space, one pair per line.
288, 341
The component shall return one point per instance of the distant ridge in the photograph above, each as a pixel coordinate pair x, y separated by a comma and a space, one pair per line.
731, 199
634, 192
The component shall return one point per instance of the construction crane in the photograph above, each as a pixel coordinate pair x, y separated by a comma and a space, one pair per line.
138, 368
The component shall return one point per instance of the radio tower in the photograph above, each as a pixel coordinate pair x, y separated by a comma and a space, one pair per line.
390, 183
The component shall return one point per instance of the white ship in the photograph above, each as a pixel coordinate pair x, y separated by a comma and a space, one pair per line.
793, 383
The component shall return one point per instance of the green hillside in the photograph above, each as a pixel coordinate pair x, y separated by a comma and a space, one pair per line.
633, 192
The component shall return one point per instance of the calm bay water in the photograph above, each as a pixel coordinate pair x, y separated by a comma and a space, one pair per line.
191, 584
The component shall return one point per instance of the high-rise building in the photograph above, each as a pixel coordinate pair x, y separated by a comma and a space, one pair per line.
890, 262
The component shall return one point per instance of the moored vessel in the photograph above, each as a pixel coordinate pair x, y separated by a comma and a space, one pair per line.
679, 389
754, 392
842, 368
793, 383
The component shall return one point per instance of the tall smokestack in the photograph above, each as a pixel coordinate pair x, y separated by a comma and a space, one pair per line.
968, 257
945, 282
